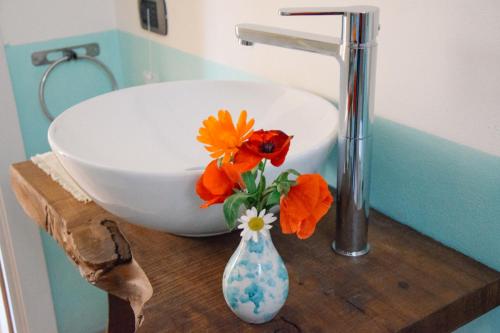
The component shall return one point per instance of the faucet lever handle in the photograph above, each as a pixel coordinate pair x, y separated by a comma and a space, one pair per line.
314, 11
362, 23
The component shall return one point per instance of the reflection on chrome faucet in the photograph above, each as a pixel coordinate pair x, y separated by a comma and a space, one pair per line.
356, 52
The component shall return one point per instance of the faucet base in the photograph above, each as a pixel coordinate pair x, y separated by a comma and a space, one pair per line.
351, 253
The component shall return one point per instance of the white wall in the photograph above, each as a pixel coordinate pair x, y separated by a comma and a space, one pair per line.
20, 244
21, 22
26, 21
438, 59
4, 323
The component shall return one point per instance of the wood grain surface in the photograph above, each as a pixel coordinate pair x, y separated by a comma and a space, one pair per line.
407, 283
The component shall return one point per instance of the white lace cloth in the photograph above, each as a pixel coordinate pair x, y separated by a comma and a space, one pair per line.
49, 163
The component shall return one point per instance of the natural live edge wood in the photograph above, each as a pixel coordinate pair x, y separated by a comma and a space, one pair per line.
88, 234
408, 283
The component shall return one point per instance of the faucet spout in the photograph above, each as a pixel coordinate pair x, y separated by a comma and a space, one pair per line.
248, 34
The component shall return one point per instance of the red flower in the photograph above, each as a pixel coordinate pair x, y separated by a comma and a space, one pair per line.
215, 185
272, 145
245, 160
304, 205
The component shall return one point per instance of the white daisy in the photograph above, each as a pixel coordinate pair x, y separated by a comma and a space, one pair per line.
253, 222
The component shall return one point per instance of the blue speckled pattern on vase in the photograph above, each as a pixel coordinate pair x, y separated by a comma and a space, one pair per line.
255, 281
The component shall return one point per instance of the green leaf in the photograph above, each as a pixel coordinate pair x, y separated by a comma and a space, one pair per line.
261, 166
284, 175
283, 187
293, 172
249, 180
254, 171
262, 184
273, 199
232, 206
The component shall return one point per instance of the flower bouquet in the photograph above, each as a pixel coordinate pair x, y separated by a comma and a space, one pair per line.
255, 281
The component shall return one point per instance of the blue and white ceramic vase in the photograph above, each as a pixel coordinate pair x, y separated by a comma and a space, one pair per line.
255, 281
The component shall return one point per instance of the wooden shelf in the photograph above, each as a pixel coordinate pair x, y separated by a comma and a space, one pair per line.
408, 282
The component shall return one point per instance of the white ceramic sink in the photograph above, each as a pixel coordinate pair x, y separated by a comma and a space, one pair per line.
134, 151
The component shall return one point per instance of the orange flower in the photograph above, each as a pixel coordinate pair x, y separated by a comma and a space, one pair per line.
303, 207
214, 185
272, 145
221, 137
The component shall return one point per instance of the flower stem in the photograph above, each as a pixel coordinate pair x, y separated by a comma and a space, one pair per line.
260, 195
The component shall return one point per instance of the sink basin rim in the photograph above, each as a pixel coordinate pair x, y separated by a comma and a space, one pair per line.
195, 170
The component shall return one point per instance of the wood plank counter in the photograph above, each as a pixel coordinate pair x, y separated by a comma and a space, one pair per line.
408, 282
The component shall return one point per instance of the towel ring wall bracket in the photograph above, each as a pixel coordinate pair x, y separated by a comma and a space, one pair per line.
68, 54
41, 58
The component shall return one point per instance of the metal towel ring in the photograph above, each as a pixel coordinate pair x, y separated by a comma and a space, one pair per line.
70, 55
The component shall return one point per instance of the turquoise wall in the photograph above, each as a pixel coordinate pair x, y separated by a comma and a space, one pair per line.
79, 307
445, 190
168, 63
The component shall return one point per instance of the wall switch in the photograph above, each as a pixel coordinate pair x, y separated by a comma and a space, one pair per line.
153, 16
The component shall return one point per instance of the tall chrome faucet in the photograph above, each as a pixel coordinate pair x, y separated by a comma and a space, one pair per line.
356, 52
